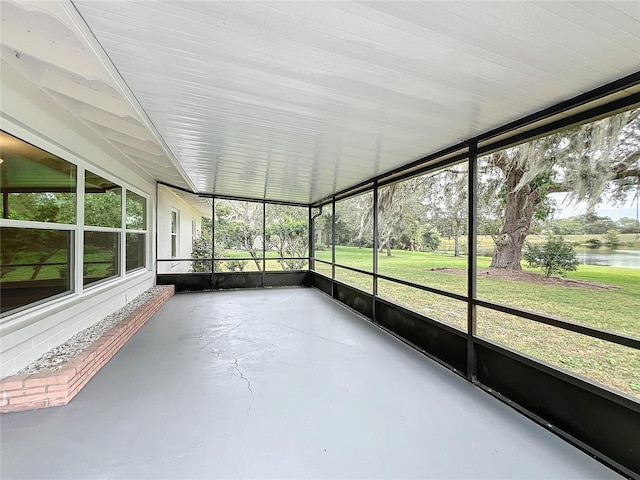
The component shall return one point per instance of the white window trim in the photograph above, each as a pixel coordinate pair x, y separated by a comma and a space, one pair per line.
78, 227
176, 235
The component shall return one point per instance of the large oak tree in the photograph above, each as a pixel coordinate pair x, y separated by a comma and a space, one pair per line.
592, 162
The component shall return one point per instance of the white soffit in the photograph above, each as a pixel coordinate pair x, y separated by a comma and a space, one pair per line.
49, 45
296, 100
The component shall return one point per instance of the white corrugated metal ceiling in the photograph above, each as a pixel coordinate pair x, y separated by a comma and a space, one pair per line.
296, 100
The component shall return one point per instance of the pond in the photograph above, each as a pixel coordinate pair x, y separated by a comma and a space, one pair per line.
605, 256
611, 257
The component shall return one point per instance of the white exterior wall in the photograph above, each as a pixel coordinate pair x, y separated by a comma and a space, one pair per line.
168, 202
29, 114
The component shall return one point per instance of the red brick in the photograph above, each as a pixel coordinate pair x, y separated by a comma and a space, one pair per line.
66, 383
13, 382
26, 392
36, 380
23, 407
54, 402
79, 383
76, 364
68, 370
28, 399
60, 387
58, 378
76, 390
91, 355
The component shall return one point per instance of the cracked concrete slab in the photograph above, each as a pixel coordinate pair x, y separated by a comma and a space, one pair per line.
329, 396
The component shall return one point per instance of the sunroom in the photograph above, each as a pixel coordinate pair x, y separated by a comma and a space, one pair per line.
403, 237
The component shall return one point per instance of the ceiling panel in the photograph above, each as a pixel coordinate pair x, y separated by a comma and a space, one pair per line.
48, 44
294, 101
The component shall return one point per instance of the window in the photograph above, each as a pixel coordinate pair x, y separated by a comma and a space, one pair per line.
102, 208
174, 233
102, 202
185, 232
101, 256
36, 185
136, 211
136, 226
35, 263
135, 245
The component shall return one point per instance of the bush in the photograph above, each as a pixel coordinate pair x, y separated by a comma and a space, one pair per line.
555, 256
613, 238
202, 249
236, 265
593, 243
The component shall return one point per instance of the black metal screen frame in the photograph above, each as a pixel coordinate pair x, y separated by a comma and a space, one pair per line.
483, 362
493, 368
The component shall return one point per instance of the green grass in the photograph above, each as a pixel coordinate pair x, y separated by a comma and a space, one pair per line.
54, 272
22, 274
614, 310
250, 266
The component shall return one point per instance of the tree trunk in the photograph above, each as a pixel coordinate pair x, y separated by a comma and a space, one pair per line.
258, 261
456, 237
518, 213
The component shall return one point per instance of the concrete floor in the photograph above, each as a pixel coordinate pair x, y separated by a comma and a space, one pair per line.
281, 383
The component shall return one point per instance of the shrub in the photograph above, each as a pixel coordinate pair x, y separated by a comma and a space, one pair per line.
236, 265
593, 243
555, 256
613, 238
202, 249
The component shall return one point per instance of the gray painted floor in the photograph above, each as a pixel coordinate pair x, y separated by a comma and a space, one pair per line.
280, 383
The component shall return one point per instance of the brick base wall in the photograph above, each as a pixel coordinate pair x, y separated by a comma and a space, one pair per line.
48, 389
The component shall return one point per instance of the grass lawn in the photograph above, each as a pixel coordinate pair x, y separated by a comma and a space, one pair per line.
614, 309
47, 272
250, 265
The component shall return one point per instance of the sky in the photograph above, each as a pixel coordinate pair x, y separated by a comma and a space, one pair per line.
566, 209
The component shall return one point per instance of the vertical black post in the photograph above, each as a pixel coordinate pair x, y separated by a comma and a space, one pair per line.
375, 248
5, 205
264, 241
472, 215
333, 243
157, 225
312, 241
213, 242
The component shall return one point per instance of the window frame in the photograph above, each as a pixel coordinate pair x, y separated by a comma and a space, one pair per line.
174, 232
78, 229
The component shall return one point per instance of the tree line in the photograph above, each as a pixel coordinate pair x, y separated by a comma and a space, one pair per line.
592, 163
238, 226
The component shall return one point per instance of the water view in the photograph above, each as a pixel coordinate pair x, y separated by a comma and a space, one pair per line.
604, 256
609, 257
